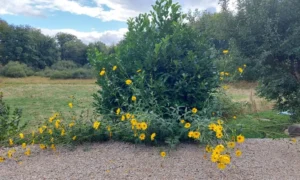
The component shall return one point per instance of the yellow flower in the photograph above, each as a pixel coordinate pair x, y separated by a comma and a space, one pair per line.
142, 136
187, 125
128, 115
222, 73
153, 136
43, 146
138, 126
220, 148
226, 74
133, 98
238, 153
219, 134
72, 124
132, 117
221, 166
41, 130
234, 117
139, 70
191, 134
133, 122
102, 72
219, 121
240, 138
118, 111
194, 110
182, 121
57, 124
212, 126
27, 152
294, 140
63, 132
245, 65
21, 135
128, 82
32, 133
144, 126
196, 135
23, 145
240, 70
71, 105
123, 118
10, 153
53, 147
225, 159
163, 154
219, 128
2, 159
225, 51
214, 157
221, 78
96, 125
50, 131
208, 148
225, 87
74, 138
231, 144
11, 142
51, 119
56, 115
115, 68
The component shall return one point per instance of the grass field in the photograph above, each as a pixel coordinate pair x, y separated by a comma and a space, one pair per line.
41, 97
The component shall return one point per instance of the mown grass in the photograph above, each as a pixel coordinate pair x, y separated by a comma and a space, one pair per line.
41, 97
267, 124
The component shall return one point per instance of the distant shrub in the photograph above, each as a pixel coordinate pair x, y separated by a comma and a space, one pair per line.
15, 69
82, 73
64, 65
79, 73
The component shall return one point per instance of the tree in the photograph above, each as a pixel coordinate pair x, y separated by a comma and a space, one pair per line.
75, 51
72, 48
26, 45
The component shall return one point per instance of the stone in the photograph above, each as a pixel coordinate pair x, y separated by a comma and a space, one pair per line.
294, 130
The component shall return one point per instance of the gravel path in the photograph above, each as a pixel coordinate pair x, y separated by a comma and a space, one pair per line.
262, 159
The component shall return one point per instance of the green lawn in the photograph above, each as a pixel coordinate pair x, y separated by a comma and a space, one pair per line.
40, 97
266, 124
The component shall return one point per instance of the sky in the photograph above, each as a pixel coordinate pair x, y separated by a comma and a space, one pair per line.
89, 20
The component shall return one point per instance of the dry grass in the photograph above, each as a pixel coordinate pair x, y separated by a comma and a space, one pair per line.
245, 92
43, 80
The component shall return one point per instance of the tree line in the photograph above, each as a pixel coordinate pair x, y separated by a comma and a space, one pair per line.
28, 45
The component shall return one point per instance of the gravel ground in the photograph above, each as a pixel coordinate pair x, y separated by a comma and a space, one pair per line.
262, 159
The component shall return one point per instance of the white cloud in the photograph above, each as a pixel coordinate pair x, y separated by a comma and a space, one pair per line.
107, 37
119, 10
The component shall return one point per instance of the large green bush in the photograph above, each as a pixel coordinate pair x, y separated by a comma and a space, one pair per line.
170, 66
